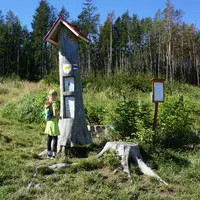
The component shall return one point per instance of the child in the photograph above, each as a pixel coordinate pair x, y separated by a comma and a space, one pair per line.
52, 129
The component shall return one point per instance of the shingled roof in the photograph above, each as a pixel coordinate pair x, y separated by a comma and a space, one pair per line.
51, 36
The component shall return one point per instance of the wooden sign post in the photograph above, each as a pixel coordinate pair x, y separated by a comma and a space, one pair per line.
157, 96
72, 126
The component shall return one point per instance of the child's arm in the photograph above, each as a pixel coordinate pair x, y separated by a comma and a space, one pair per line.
55, 113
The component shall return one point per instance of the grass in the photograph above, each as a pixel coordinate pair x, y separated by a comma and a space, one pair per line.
91, 178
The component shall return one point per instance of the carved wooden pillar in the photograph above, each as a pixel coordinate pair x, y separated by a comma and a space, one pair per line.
73, 125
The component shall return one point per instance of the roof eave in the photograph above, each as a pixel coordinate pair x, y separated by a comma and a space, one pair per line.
47, 38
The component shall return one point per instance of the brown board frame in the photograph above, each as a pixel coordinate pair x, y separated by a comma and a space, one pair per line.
157, 80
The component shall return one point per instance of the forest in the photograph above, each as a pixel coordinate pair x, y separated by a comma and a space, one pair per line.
163, 46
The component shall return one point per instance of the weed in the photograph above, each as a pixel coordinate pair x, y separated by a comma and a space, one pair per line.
111, 160
45, 170
85, 165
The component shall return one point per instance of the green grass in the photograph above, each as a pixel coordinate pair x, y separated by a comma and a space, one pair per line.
91, 179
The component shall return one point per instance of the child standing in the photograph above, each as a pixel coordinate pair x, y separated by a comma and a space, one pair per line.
52, 129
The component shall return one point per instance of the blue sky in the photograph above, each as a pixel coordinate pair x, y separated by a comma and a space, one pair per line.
25, 9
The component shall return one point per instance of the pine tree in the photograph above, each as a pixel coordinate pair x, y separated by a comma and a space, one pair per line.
64, 13
88, 22
12, 35
2, 44
40, 27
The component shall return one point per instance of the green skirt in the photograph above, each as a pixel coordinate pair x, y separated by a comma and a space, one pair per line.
52, 127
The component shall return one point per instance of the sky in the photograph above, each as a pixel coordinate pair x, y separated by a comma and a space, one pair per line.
25, 9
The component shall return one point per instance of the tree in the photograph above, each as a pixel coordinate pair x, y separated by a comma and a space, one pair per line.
40, 27
13, 33
103, 46
88, 22
64, 13
2, 44
172, 18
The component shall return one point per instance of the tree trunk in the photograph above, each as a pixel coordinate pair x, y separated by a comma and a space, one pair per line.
129, 152
73, 130
18, 61
89, 62
110, 54
197, 70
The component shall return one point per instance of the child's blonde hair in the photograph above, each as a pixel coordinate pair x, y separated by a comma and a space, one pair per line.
53, 93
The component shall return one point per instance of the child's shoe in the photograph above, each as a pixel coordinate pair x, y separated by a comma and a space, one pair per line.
49, 154
54, 155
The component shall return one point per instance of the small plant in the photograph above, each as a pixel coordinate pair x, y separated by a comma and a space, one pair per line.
4, 91
45, 170
111, 160
85, 165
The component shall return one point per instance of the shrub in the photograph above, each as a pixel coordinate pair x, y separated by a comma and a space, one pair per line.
95, 106
130, 120
28, 109
125, 117
175, 123
53, 76
94, 114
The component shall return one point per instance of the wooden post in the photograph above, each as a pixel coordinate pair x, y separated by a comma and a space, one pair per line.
155, 116
73, 125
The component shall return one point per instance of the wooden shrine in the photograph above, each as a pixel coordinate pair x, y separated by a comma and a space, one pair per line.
72, 126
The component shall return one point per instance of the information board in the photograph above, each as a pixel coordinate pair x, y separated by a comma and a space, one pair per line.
69, 84
158, 92
69, 106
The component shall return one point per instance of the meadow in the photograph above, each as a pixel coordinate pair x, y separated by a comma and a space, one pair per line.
121, 102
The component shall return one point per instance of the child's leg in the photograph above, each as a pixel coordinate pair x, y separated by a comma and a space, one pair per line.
55, 142
49, 139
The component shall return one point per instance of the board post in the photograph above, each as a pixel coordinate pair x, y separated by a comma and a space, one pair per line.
155, 116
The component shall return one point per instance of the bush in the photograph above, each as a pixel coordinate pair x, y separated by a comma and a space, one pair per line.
94, 114
53, 76
28, 109
131, 120
175, 123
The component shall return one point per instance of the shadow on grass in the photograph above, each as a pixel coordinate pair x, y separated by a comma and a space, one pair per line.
163, 156
177, 159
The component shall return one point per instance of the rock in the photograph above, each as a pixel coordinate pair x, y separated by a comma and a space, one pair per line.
59, 166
